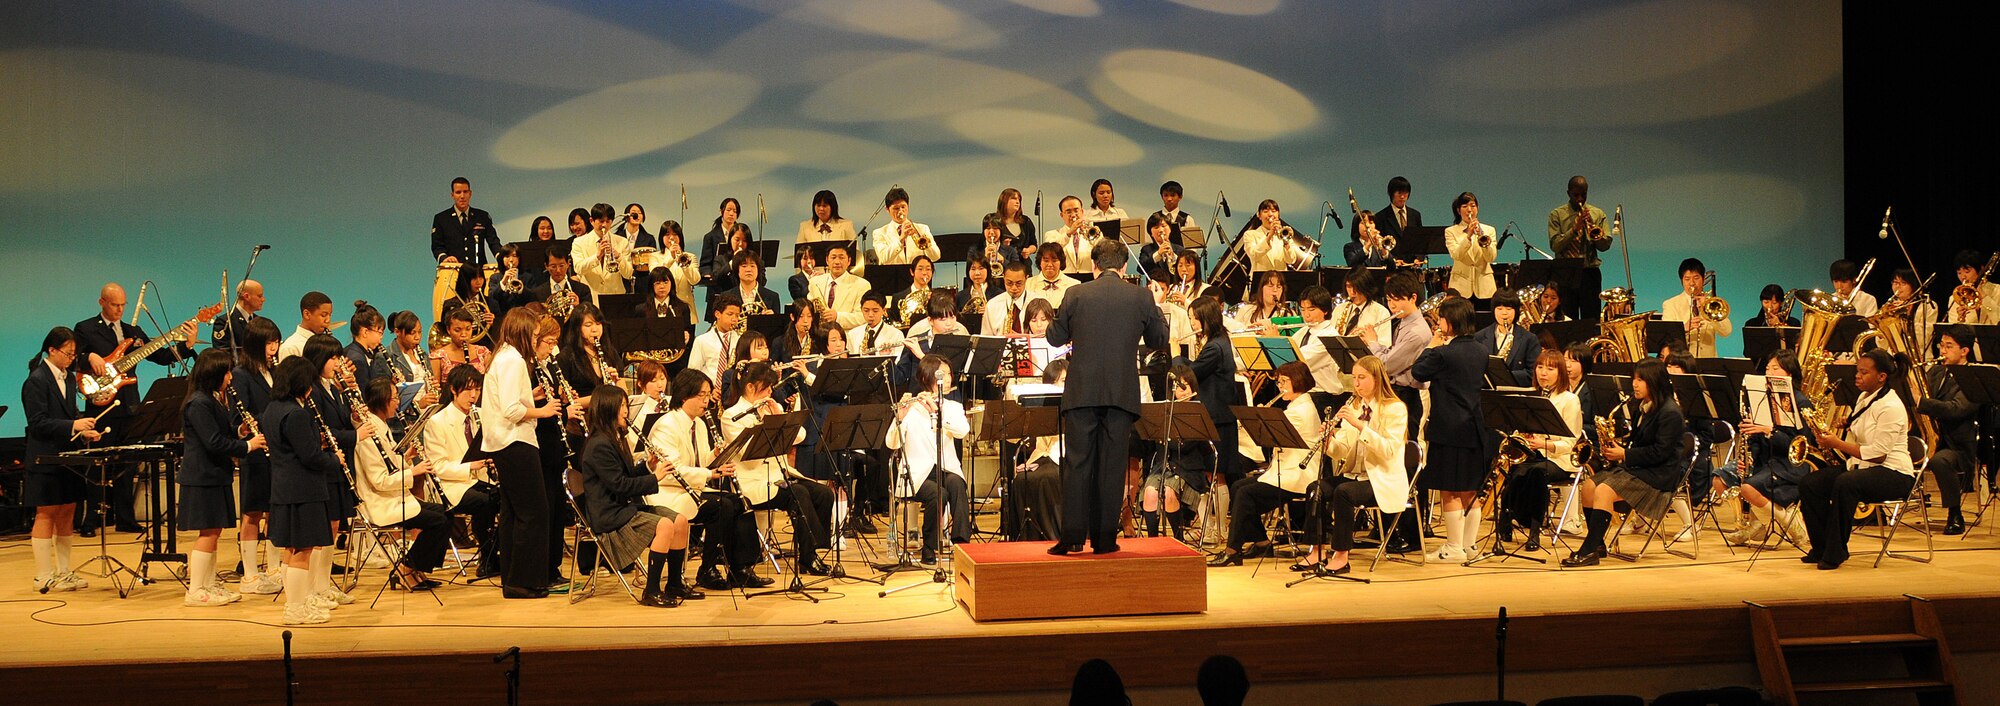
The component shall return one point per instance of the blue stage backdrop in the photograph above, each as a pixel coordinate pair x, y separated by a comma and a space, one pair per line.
161, 140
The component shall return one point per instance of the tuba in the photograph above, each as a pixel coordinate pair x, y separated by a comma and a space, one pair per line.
1621, 340
1889, 330
1821, 311
1617, 301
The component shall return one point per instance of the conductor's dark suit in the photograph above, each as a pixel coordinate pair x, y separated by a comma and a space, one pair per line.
1104, 320
460, 237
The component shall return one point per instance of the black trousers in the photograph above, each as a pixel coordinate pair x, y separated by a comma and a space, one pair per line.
1953, 471
554, 460
729, 532
481, 503
954, 493
1095, 443
433, 535
1033, 506
1827, 499
1347, 496
1249, 499
810, 505
1525, 500
524, 518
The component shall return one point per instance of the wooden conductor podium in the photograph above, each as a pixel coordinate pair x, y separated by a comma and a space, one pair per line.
1021, 580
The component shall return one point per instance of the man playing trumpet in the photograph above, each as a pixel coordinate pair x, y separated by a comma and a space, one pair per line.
1578, 229
1075, 237
902, 239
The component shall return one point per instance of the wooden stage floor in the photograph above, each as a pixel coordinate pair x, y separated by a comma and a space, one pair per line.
1410, 621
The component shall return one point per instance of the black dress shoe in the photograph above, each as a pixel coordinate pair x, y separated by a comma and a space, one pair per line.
1061, 549
1308, 566
863, 525
487, 570
1955, 524
656, 598
86, 532
1108, 548
1400, 546
130, 528
1259, 550
683, 591
815, 567
1228, 557
712, 579
747, 577
1581, 558
1534, 543
1811, 557
529, 593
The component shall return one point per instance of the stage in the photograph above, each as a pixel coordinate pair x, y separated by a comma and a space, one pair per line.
1410, 622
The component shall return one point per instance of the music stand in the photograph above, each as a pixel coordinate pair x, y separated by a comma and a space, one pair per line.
888, 278
534, 255
648, 333
158, 416
1128, 231
772, 438
1344, 350
1523, 413
1008, 420
1733, 368
952, 247
1841, 377
1605, 392
771, 325
1660, 334
970, 358
1759, 342
1706, 397
1567, 332
621, 306
1845, 330
1981, 384
1498, 375
1172, 423
1985, 338
83, 465
1419, 243
851, 428
1298, 281
1269, 428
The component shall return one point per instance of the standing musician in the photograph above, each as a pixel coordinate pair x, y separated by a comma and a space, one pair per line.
901, 239
767, 483
1283, 482
1472, 248
838, 290
1098, 412
1878, 466
1275, 246
556, 289
930, 472
579, 223
100, 341
509, 416
603, 257
1551, 458
305, 463
1953, 414
1102, 207
1579, 230
715, 350
468, 486
216, 436
825, 224
227, 331
996, 251
717, 251
458, 348
1051, 284
874, 336
1974, 300
613, 504
251, 379
1367, 450
910, 304
1179, 475
688, 438
681, 270
1170, 211
1214, 366
1160, 253
1017, 228
812, 463
1771, 309
1031, 509
1845, 276
463, 235
1510, 341
635, 227
558, 438
386, 487
1392, 220
1649, 462
1454, 367
329, 399
1073, 240
1006, 314
1686, 308
1367, 249
54, 425
748, 289
1764, 474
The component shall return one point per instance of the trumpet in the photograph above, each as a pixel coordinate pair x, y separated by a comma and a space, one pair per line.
1482, 240
511, 282
607, 255
909, 229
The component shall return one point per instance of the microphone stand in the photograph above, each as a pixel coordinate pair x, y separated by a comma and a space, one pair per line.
937, 418
291, 679
1500, 656
513, 673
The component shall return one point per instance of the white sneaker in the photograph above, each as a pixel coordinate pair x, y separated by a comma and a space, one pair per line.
321, 602
222, 590
203, 597
1448, 554
1686, 535
304, 615
69, 582
45, 583
260, 585
337, 596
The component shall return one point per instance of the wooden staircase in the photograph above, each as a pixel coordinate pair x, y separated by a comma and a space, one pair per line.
1848, 653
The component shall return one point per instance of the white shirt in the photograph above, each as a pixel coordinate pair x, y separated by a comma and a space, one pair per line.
1285, 472
846, 300
1701, 342
1039, 288
1091, 213
294, 344
1988, 310
1562, 448
444, 445
61, 376
916, 434
585, 252
995, 321
503, 406
1882, 430
684, 441
710, 349
1864, 303
1076, 250
1269, 252
837, 230
382, 490
887, 340
1376, 447
760, 478
891, 248
685, 276
1471, 264
1312, 351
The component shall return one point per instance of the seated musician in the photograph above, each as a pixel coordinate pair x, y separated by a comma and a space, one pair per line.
802, 336
555, 288
386, 486
1686, 308
1763, 473
1905, 299
208, 464
812, 462
939, 319
1973, 300
584, 356
1551, 458
837, 289
1472, 248
715, 349
929, 472
1772, 310
874, 336
1875, 445
1283, 481
1051, 283
907, 307
459, 348
805, 264
1366, 450
1006, 312
615, 490
1364, 308
469, 486
700, 489
1552, 303
1177, 477
765, 483
1844, 274
1032, 507
719, 245
1274, 245
1367, 248
751, 348
1510, 341
664, 304
1268, 301
981, 284
1952, 413
1649, 462
1314, 307
748, 288
1709, 434
1160, 253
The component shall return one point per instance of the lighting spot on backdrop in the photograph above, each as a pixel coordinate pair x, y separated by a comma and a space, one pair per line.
1043, 137
661, 197
625, 120
106, 132
814, 149
1719, 209
1233, 7
1245, 187
908, 86
1066, 8
1638, 65
920, 21
1200, 96
536, 44
727, 167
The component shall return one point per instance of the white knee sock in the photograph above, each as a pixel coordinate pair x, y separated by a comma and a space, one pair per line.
322, 569
45, 555
247, 550
1454, 523
63, 544
839, 515
1682, 511
1471, 532
201, 570
298, 583
274, 558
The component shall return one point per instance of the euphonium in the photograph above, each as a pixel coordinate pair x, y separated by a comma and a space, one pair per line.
1617, 301
562, 303
1531, 304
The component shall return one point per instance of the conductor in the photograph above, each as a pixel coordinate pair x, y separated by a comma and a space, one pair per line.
1103, 320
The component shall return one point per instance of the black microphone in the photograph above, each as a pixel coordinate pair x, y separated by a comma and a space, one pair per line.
1335, 214
1884, 233
262, 248
1038, 203
1225, 204
511, 651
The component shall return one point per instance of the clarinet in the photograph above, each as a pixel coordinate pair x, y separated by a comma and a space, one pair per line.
248, 427
563, 392
657, 457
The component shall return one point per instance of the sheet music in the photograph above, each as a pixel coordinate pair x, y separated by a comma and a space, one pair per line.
1772, 401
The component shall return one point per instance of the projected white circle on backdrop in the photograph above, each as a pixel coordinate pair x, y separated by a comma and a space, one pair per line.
927, 85
1201, 96
1042, 137
601, 127
1066, 8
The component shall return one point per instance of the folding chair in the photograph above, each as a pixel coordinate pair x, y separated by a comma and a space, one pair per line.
1894, 510
583, 583
1413, 464
1703, 511
1690, 447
